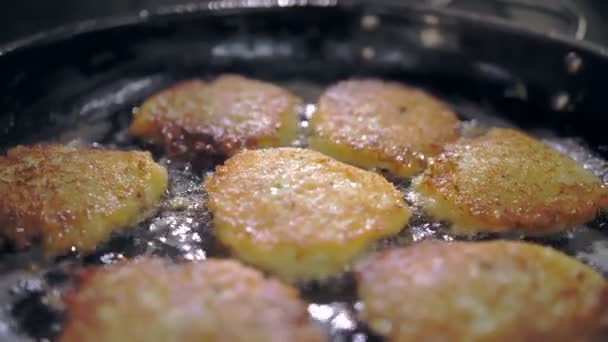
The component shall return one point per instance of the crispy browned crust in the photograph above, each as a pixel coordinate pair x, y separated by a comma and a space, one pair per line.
381, 125
506, 180
197, 119
216, 300
482, 291
75, 197
298, 213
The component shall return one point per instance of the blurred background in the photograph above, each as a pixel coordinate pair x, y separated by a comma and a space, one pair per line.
571, 17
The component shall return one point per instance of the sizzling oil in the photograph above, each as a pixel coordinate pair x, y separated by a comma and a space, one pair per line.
30, 287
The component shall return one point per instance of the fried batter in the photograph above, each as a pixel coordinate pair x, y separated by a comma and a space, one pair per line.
506, 180
481, 291
197, 119
298, 213
150, 300
381, 125
75, 197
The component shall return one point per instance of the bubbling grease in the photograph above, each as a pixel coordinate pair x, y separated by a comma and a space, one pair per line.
182, 230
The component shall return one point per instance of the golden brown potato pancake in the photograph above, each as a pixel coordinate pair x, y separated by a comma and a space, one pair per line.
216, 300
74, 198
196, 119
298, 213
381, 125
506, 180
482, 291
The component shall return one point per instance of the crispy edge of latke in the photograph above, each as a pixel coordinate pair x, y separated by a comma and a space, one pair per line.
546, 219
406, 162
27, 237
193, 143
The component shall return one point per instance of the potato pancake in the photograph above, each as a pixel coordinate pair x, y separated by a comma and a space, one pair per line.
298, 213
381, 125
74, 198
505, 181
198, 119
482, 291
215, 300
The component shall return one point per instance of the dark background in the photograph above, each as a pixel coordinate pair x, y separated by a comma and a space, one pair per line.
23, 17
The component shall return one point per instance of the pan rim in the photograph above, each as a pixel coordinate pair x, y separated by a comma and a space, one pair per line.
214, 7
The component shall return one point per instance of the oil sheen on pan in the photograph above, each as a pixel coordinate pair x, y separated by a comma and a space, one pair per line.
183, 229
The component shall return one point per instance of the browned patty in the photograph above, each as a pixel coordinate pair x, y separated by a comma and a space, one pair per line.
381, 125
74, 198
482, 291
197, 119
300, 214
506, 180
216, 300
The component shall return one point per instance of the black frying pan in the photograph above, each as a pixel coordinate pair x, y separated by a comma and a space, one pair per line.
79, 84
